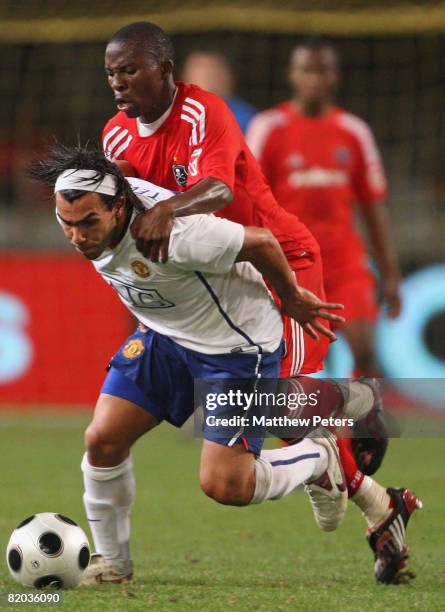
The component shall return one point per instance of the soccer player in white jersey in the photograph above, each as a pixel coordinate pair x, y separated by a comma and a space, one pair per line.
210, 316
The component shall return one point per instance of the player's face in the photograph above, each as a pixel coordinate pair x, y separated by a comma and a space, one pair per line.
142, 86
313, 75
88, 224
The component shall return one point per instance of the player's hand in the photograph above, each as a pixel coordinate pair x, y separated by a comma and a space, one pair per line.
305, 307
151, 230
391, 294
125, 167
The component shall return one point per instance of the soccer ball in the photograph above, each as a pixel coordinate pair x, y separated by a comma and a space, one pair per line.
48, 550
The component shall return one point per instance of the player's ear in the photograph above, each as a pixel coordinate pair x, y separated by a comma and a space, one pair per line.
119, 209
167, 67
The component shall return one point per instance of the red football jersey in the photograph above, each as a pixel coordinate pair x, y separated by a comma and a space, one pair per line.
201, 138
319, 168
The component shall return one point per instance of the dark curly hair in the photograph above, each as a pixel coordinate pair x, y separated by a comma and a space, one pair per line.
318, 43
62, 157
148, 36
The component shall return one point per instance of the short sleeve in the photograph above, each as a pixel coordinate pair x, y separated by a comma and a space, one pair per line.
368, 181
205, 243
148, 192
260, 139
216, 141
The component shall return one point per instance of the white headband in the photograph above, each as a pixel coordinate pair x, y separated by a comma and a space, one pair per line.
85, 180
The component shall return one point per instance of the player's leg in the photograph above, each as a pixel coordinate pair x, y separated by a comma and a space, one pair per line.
116, 425
230, 474
109, 484
360, 335
356, 289
141, 372
386, 512
358, 401
304, 355
242, 474
365, 492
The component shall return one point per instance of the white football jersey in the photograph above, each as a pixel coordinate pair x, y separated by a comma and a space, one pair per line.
200, 298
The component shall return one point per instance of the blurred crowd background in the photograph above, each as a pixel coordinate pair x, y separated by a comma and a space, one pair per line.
53, 86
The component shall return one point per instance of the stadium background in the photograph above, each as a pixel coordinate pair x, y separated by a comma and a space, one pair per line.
53, 86
59, 324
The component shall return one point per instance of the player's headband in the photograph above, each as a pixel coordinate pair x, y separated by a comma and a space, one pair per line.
85, 180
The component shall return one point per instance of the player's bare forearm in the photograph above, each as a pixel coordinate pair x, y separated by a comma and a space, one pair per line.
152, 229
378, 225
207, 196
263, 251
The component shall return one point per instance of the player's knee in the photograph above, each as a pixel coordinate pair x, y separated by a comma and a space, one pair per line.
93, 439
225, 489
103, 447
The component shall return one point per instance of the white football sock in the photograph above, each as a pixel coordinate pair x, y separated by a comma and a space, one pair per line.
108, 499
359, 399
374, 502
280, 471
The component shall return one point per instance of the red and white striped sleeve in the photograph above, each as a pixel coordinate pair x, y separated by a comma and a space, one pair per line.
369, 181
215, 138
116, 140
260, 128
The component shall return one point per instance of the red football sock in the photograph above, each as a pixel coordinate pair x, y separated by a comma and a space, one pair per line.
359, 373
329, 402
354, 477
330, 399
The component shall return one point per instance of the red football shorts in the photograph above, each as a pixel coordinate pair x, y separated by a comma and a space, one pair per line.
303, 354
356, 289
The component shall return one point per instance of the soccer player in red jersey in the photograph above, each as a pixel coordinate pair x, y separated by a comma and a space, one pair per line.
186, 139
183, 138
320, 161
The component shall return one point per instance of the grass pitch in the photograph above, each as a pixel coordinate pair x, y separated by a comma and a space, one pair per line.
192, 554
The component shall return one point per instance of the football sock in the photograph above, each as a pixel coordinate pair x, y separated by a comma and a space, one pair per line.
359, 399
370, 372
353, 476
108, 499
329, 396
280, 471
374, 502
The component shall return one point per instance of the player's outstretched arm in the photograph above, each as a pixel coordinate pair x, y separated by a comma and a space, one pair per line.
262, 249
152, 229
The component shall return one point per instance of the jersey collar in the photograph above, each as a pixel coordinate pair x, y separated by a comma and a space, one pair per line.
148, 129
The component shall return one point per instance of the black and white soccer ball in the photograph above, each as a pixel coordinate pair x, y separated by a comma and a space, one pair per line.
48, 550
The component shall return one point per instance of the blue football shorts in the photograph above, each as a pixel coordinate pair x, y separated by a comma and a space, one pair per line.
157, 374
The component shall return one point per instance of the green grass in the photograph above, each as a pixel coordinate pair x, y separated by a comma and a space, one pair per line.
191, 554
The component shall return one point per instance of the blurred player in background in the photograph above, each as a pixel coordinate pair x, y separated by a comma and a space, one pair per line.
210, 316
212, 71
319, 161
185, 139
